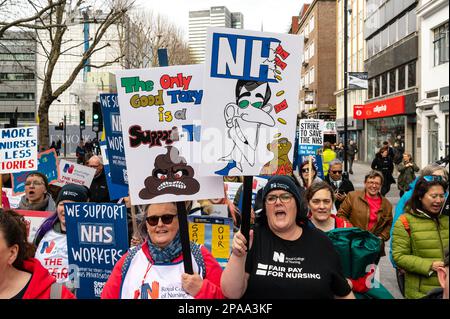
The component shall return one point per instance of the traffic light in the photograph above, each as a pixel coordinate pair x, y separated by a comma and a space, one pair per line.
82, 120
97, 118
60, 126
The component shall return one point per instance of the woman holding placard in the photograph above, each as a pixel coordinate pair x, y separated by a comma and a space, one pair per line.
155, 270
287, 259
51, 239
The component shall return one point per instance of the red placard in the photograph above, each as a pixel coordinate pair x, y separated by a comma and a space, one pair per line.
383, 108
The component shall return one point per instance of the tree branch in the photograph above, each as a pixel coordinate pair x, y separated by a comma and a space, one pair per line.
9, 25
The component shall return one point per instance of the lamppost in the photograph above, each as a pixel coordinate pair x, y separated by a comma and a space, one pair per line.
345, 84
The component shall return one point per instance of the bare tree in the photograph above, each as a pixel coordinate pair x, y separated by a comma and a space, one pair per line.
52, 21
149, 32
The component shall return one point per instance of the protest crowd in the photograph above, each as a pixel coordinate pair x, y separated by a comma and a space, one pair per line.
144, 221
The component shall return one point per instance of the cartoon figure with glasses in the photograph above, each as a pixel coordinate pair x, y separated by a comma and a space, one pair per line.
244, 119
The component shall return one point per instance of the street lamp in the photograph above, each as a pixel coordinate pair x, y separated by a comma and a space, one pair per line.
345, 84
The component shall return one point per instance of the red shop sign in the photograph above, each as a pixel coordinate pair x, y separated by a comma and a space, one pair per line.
384, 108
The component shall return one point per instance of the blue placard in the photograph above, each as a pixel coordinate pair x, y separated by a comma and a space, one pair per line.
115, 191
317, 160
97, 237
114, 139
47, 165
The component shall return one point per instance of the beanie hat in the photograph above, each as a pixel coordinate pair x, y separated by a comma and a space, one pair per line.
74, 192
287, 184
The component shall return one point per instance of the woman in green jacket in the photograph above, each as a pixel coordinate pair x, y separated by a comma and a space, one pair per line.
420, 237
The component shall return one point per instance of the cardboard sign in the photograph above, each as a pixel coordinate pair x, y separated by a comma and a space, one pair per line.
116, 191
215, 233
114, 140
97, 237
18, 149
47, 165
310, 137
160, 113
73, 173
34, 220
250, 102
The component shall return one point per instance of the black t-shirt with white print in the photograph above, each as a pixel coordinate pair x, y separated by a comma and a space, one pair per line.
306, 268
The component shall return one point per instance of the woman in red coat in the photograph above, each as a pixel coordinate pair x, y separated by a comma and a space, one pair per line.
21, 276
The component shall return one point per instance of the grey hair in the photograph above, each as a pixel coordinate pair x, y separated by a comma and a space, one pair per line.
334, 162
431, 168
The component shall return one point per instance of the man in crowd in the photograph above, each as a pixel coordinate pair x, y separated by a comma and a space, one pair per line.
341, 186
351, 152
99, 188
368, 209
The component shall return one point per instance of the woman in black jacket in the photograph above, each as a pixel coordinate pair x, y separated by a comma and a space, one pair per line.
383, 163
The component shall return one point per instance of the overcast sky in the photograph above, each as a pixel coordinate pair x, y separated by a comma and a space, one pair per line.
275, 15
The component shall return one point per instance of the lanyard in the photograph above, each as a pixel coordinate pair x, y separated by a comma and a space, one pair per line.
137, 292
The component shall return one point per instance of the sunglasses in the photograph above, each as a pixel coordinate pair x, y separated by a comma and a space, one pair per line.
433, 178
154, 220
305, 170
336, 172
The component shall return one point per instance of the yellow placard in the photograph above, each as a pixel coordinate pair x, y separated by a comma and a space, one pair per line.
197, 233
220, 241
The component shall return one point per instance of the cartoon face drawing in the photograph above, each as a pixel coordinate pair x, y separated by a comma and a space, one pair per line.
244, 119
171, 175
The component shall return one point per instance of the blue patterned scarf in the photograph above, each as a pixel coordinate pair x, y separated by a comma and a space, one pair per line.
167, 254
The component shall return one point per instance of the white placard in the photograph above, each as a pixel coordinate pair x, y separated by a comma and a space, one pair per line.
250, 103
18, 149
73, 173
160, 114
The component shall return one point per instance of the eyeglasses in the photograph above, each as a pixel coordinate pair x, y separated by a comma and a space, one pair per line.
154, 220
284, 198
34, 183
336, 172
374, 183
305, 170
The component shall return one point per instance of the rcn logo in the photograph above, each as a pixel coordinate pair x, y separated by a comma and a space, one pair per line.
47, 247
278, 257
69, 168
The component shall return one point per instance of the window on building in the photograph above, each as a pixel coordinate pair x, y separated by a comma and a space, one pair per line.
384, 84
311, 24
401, 77
369, 48
440, 43
384, 39
370, 89
16, 76
412, 74
401, 27
17, 56
311, 50
392, 33
376, 86
412, 24
392, 79
389, 9
311, 75
6, 96
376, 44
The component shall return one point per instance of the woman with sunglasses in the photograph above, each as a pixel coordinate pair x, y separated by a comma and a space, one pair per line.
36, 194
420, 236
155, 270
305, 172
286, 259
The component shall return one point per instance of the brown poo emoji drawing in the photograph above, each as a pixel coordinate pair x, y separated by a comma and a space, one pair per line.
171, 175
280, 164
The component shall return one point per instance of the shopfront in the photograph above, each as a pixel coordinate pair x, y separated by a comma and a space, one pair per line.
385, 121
